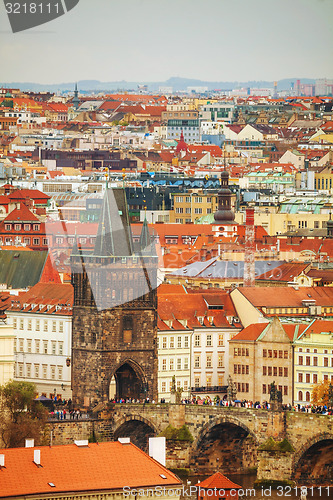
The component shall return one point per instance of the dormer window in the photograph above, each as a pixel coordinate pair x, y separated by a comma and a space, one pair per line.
27, 227
17, 227
8, 227
36, 227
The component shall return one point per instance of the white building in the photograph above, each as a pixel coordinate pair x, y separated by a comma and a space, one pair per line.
41, 319
7, 359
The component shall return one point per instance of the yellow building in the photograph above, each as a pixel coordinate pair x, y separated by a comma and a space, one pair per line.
259, 355
313, 359
191, 206
324, 179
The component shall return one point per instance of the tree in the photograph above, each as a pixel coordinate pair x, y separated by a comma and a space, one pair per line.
322, 394
21, 416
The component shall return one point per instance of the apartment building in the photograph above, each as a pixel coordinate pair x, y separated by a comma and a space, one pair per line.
41, 320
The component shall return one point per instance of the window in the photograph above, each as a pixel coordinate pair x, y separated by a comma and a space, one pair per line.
171, 365
53, 372
285, 372
197, 382
315, 378
269, 371
21, 345
179, 342
37, 325
45, 347
28, 370
270, 353
307, 396
20, 369
185, 363
275, 371
197, 340
325, 362
29, 324
208, 381
37, 346
179, 364
29, 342
45, 326
61, 327
221, 339
36, 227
53, 348
280, 371
26, 227
264, 370
14, 323
300, 377
280, 354
300, 396
54, 326
21, 324
186, 342
208, 340
35, 241
264, 389
172, 342
163, 387
44, 371
300, 360
127, 328
307, 360
264, 353
185, 385
61, 348
315, 361
36, 371
307, 378
196, 361
164, 365
208, 361
285, 390
285, 354
220, 361
59, 372
198, 210
164, 342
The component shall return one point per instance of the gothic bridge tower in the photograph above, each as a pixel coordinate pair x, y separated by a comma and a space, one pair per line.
114, 326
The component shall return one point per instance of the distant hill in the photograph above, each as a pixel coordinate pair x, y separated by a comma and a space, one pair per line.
176, 83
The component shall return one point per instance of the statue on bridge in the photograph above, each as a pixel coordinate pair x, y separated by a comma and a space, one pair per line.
232, 389
176, 393
275, 398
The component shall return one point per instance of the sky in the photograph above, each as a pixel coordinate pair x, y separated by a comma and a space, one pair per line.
153, 40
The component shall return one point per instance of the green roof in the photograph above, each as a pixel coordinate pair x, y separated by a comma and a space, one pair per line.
21, 268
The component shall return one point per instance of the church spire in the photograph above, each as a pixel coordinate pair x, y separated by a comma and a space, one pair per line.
114, 234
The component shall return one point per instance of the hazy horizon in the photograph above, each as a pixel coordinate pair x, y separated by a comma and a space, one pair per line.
147, 40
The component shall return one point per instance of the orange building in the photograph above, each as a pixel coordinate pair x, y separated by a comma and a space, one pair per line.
218, 487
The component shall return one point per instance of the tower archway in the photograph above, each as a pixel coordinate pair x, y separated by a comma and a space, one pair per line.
127, 382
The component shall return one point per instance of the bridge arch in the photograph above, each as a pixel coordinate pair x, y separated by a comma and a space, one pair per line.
312, 462
227, 444
138, 428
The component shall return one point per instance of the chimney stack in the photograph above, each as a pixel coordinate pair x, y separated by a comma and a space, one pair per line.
2, 460
29, 443
37, 457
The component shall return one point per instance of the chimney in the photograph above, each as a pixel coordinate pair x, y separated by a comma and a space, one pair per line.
2, 460
37, 457
29, 443
124, 440
157, 449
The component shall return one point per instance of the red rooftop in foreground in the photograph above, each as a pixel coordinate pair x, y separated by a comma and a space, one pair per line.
224, 488
97, 470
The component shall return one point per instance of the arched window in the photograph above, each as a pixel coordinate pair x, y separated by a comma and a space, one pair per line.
307, 396
300, 396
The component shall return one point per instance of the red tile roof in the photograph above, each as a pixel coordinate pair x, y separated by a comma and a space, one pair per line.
22, 214
287, 296
218, 481
71, 468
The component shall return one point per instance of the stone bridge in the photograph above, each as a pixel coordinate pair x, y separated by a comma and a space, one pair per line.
222, 438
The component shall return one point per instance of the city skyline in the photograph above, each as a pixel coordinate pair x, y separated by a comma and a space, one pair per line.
145, 41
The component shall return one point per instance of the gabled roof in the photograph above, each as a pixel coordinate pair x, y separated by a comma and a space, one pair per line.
71, 468
218, 481
287, 296
21, 269
22, 214
22, 194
